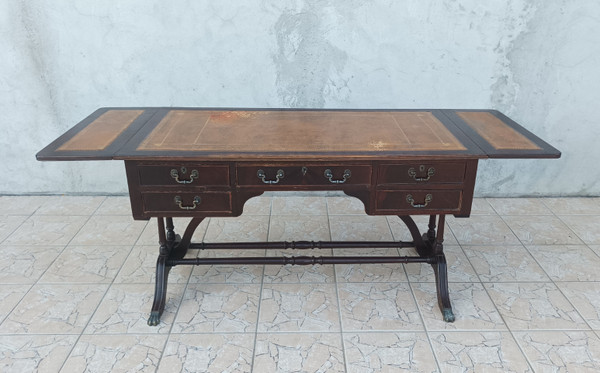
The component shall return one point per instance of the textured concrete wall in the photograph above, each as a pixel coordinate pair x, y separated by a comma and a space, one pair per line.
535, 60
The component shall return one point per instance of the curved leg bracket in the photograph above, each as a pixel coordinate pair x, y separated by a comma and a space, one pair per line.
440, 269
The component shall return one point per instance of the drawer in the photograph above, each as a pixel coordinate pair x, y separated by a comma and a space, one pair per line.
186, 203
416, 201
422, 173
292, 175
188, 174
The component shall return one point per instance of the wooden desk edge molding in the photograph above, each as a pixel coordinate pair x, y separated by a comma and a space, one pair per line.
207, 162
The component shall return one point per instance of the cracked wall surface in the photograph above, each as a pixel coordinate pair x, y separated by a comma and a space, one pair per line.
535, 61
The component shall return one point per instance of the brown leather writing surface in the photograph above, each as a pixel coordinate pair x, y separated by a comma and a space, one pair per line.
286, 134
495, 131
102, 132
299, 131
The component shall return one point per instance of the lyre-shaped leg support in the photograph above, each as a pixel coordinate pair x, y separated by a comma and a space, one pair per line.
431, 244
172, 246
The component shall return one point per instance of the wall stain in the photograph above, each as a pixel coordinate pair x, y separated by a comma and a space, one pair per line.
309, 67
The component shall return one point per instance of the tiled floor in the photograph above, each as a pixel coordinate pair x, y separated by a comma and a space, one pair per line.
76, 287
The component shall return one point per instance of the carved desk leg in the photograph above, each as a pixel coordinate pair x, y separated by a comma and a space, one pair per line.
172, 246
430, 245
441, 272
167, 242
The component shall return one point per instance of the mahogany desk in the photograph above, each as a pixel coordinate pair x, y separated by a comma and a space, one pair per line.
200, 163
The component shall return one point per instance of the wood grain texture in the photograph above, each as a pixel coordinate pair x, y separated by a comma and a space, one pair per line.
299, 131
102, 132
497, 133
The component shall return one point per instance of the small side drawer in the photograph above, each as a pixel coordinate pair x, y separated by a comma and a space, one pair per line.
188, 203
422, 173
188, 174
296, 175
418, 201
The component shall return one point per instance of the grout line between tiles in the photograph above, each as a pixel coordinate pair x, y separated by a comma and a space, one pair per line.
546, 273
15, 229
337, 293
260, 292
101, 299
488, 294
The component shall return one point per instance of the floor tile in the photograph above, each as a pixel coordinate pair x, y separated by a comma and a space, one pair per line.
595, 248
298, 353
459, 268
87, 264
217, 308
10, 296
240, 229
541, 230
345, 206
292, 274
388, 352
228, 274
25, 264
573, 206
9, 223
586, 227
109, 230
299, 228
567, 263
471, 305
20, 205
53, 309
401, 233
298, 307
297, 205
149, 235
208, 353
258, 206
359, 228
115, 353
70, 205
481, 206
504, 264
554, 351
585, 297
387, 306
114, 206
519, 206
376, 272
140, 267
46, 230
126, 308
525, 306
482, 230
478, 352
34, 353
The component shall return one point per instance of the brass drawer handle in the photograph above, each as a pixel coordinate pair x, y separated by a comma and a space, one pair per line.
411, 200
430, 172
345, 176
175, 175
261, 175
179, 202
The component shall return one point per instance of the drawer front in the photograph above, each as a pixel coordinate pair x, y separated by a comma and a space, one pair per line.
184, 174
298, 175
419, 201
422, 173
187, 203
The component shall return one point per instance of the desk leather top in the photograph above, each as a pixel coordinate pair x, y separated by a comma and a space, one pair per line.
285, 134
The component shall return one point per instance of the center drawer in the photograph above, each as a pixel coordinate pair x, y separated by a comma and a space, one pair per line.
299, 175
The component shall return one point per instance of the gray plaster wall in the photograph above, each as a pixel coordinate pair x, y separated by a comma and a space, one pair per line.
537, 61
